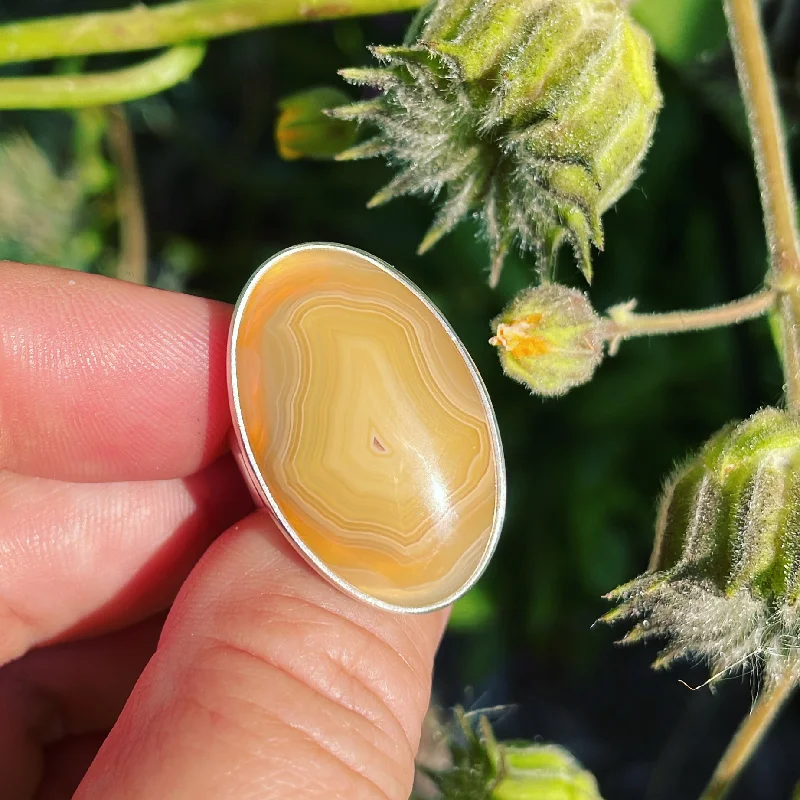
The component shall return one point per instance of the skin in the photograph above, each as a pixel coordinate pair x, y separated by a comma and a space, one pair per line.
158, 636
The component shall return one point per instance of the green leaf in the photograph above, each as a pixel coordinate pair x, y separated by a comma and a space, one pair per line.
473, 610
683, 30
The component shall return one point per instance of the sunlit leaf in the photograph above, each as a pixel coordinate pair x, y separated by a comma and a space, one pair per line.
683, 30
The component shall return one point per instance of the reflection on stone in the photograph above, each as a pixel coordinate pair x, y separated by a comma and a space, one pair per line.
368, 426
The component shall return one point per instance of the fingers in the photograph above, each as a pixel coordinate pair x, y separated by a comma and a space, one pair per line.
106, 381
79, 559
53, 698
270, 683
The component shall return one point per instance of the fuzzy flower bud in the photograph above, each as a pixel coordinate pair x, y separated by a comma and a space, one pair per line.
483, 769
304, 130
724, 578
538, 771
532, 116
549, 338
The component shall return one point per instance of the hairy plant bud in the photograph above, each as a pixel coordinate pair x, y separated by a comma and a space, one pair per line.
533, 115
538, 771
724, 578
550, 339
483, 769
304, 130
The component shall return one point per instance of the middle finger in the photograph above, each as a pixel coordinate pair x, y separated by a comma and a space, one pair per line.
80, 559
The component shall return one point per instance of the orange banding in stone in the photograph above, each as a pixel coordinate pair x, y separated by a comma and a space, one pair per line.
368, 427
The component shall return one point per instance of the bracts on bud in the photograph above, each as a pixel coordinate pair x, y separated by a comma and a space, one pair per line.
481, 768
724, 578
532, 115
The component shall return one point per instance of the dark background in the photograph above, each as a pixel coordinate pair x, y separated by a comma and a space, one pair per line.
584, 471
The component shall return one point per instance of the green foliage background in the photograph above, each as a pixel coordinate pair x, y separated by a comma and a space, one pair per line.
585, 471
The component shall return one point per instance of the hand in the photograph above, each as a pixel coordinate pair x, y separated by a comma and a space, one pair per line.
118, 501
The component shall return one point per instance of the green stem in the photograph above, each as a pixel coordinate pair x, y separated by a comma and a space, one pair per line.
789, 327
624, 323
102, 88
130, 205
144, 28
780, 216
777, 193
769, 139
749, 736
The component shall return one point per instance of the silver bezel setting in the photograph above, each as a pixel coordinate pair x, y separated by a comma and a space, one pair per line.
261, 491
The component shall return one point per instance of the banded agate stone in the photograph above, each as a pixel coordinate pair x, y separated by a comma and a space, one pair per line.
365, 427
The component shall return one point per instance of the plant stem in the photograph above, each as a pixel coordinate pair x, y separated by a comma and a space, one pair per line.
789, 326
769, 140
780, 217
624, 324
143, 28
772, 165
749, 736
130, 208
102, 88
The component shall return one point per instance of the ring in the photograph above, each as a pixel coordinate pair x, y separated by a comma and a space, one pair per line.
361, 423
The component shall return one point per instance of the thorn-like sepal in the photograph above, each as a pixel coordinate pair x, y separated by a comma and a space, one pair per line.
533, 116
724, 576
481, 768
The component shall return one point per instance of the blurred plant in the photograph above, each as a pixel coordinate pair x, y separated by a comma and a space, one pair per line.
40, 211
472, 611
70, 220
691, 35
474, 766
304, 130
683, 30
132, 264
46, 217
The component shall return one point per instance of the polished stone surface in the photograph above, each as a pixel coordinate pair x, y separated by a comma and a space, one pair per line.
368, 427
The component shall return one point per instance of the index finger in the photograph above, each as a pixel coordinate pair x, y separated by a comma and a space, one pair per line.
101, 380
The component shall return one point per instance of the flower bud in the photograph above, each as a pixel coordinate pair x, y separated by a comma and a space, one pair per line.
535, 117
304, 130
537, 771
549, 338
724, 577
480, 767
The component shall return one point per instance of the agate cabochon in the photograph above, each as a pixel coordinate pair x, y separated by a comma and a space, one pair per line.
363, 425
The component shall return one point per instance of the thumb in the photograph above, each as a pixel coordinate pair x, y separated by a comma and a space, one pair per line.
270, 683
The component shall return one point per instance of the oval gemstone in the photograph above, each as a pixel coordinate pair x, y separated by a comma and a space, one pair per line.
366, 427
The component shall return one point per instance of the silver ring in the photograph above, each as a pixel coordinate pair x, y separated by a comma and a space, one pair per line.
280, 500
